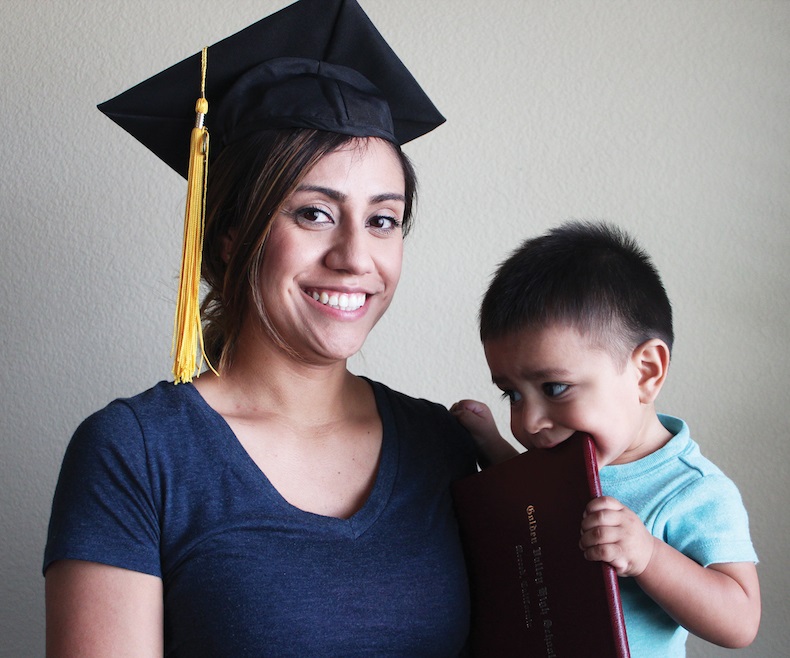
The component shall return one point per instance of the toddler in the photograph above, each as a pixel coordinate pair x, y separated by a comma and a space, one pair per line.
577, 331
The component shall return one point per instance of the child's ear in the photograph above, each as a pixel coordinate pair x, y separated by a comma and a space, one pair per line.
651, 360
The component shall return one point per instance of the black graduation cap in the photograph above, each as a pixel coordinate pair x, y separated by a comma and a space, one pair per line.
315, 64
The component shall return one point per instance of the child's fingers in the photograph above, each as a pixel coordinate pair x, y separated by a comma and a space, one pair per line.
611, 554
598, 535
469, 405
614, 534
606, 544
602, 518
603, 503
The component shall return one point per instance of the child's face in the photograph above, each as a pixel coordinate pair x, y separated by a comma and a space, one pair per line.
558, 383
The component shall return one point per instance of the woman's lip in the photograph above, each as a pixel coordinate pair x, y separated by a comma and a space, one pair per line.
336, 290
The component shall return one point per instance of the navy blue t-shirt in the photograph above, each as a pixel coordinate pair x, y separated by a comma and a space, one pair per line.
159, 484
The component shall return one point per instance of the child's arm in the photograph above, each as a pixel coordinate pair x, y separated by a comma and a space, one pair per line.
720, 603
477, 419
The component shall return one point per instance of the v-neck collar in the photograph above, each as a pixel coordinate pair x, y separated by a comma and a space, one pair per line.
360, 521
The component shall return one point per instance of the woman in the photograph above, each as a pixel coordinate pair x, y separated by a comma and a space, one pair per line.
282, 506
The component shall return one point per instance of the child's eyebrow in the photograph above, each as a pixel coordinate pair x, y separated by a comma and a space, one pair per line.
545, 374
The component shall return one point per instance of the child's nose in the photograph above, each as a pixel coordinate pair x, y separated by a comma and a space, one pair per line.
534, 418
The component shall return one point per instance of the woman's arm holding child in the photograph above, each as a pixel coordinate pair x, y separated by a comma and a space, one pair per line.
720, 603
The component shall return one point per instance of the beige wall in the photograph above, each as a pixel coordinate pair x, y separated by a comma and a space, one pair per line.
670, 118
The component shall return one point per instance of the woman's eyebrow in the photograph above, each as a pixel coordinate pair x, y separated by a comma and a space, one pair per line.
337, 195
333, 194
388, 196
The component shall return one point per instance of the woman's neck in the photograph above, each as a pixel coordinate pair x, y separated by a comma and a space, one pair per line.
264, 377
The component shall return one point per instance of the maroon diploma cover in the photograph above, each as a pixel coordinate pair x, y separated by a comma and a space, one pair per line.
533, 592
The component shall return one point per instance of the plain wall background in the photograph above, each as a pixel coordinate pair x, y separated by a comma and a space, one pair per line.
669, 118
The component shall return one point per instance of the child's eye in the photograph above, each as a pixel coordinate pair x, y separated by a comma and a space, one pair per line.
384, 223
554, 389
511, 396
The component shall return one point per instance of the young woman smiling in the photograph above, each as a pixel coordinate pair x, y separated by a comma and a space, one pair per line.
282, 505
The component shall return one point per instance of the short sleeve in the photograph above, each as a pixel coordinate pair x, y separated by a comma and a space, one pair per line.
103, 508
708, 522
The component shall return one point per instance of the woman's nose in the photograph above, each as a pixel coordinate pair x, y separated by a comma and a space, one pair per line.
350, 250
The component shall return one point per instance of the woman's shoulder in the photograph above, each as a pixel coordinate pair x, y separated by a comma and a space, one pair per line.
406, 403
163, 397
426, 430
418, 414
162, 407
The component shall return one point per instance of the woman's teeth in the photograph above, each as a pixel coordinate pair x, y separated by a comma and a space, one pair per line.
343, 301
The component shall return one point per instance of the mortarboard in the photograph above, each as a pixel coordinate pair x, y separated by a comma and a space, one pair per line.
317, 64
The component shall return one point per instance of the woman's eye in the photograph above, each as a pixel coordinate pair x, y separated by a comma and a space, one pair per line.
384, 223
553, 389
313, 215
511, 396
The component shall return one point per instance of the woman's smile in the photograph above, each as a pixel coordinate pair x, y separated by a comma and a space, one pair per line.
342, 301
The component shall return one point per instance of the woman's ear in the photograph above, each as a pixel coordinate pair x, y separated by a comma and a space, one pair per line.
651, 359
227, 245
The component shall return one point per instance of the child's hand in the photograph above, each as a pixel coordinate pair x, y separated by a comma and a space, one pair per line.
612, 533
476, 417
720, 603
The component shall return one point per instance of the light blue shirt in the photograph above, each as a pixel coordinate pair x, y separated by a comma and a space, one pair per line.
686, 501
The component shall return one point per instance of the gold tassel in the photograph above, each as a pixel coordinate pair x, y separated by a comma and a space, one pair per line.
188, 330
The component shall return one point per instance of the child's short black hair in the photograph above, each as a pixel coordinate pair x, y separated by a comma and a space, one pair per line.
590, 276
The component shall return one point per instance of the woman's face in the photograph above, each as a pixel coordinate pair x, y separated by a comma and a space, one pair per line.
333, 255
